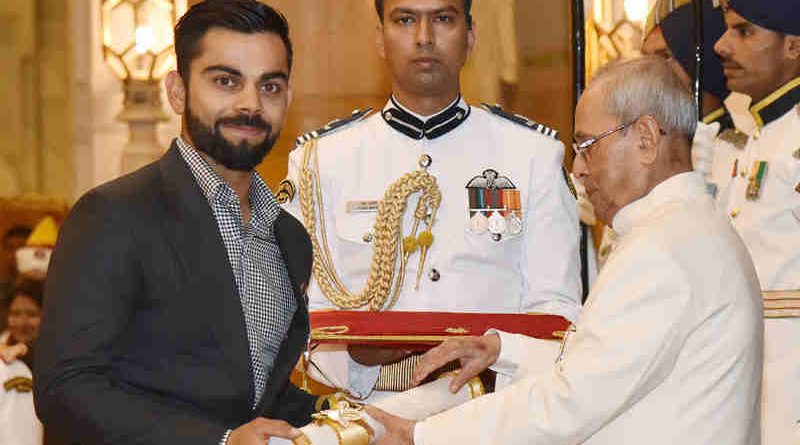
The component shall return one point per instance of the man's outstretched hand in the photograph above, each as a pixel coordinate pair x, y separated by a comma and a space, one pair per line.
258, 431
399, 431
475, 354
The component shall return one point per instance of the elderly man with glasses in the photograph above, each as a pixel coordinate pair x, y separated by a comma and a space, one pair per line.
668, 348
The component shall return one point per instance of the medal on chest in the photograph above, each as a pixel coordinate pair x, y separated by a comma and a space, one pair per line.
494, 206
756, 180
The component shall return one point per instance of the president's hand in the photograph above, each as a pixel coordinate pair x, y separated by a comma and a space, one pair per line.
10, 353
375, 355
399, 431
258, 432
475, 354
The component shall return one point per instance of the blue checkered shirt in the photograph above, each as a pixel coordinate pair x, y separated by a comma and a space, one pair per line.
256, 260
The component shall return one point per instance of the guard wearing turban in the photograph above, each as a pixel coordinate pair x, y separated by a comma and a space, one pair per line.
760, 189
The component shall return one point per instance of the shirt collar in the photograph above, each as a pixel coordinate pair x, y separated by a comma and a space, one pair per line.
205, 175
678, 187
262, 202
418, 127
776, 104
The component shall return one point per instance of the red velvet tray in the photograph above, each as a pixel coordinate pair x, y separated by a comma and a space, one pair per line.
421, 330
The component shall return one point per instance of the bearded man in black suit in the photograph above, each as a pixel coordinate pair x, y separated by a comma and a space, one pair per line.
175, 303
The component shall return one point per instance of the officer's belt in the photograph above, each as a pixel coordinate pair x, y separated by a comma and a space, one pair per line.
781, 304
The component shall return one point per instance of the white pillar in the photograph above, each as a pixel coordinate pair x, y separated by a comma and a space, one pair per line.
142, 112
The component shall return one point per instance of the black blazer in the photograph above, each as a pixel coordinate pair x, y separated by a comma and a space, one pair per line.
143, 337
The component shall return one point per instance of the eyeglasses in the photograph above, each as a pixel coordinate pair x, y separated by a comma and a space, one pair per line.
580, 148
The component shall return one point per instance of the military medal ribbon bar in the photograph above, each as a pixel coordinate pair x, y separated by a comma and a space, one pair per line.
756, 179
494, 205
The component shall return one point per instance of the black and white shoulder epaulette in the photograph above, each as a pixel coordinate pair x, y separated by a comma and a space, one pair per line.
335, 125
519, 119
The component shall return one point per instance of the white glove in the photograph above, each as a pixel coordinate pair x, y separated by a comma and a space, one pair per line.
703, 147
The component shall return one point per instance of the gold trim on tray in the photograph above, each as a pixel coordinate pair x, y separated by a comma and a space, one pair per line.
321, 335
458, 330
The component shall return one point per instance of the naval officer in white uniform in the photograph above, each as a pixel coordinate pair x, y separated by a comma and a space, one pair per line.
668, 348
505, 236
759, 187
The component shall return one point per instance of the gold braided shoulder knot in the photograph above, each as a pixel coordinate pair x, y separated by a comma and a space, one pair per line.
387, 236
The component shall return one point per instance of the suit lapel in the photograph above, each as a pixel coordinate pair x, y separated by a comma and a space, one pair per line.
193, 232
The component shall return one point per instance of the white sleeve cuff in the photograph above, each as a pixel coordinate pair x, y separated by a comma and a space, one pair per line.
506, 360
521, 355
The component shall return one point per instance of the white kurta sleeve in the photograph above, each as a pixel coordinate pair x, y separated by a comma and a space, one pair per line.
551, 263
627, 341
521, 355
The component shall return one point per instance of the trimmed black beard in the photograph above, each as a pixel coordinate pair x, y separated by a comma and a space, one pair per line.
240, 157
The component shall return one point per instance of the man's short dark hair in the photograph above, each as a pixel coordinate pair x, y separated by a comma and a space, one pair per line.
244, 16
467, 11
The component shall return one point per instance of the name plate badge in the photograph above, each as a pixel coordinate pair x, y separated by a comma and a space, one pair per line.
362, 206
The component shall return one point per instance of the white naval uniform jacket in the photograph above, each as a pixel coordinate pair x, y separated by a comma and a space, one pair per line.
770, 227
536, 271
18, 422
666, 351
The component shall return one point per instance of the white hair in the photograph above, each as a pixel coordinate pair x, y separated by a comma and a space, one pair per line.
648, 86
